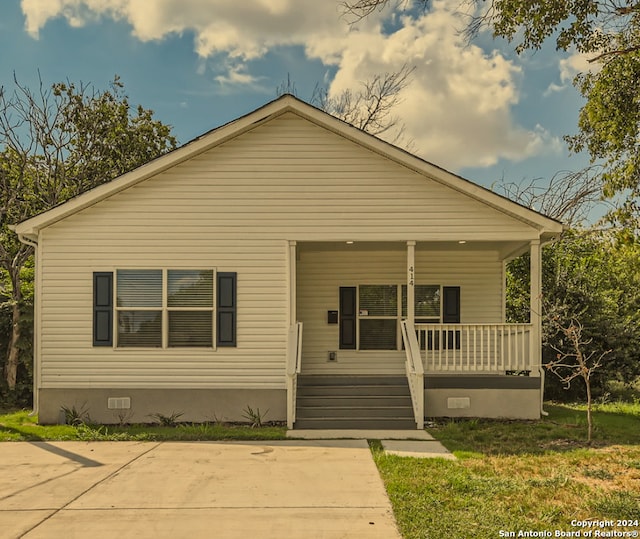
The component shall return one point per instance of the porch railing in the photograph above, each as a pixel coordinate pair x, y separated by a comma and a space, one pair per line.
415, 371
488, 348
294, 357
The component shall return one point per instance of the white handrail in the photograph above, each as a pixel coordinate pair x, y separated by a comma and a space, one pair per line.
293, 368
415, 371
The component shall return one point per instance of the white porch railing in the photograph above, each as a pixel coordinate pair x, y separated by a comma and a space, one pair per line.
415, 371
294, 356
488, 348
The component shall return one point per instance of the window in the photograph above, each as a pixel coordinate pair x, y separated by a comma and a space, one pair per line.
378, 309
379, 316
165, 308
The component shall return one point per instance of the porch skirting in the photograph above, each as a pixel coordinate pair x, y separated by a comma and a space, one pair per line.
511, 397
196, 405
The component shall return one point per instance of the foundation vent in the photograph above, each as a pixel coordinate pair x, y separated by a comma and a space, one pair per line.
119, 403
458, 402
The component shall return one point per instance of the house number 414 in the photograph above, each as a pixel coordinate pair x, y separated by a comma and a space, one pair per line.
411, 276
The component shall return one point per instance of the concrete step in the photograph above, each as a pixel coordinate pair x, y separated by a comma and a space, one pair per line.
352, 380
382, 423
320, 401
352, 390
354, 402
347, 412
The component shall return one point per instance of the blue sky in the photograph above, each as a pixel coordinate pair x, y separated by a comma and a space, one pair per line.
476, 110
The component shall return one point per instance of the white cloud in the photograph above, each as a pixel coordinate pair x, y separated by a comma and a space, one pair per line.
569, 67
457, 111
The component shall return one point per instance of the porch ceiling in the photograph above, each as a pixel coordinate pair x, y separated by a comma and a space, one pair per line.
504, 249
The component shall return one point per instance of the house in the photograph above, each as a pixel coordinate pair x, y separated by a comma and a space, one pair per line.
290, 263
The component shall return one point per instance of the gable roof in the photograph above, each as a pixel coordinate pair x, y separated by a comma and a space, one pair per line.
288, 103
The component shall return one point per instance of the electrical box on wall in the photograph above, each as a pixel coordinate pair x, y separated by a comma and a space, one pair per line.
332, 356
332, 317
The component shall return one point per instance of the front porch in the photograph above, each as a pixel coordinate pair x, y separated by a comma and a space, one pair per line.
431, 313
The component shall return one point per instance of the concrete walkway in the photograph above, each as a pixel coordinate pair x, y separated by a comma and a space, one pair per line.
404, 443
291, 488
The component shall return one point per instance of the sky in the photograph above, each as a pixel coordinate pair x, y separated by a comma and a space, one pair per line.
477, 109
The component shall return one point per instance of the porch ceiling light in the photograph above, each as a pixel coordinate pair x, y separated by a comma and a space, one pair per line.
349, 243
462, 242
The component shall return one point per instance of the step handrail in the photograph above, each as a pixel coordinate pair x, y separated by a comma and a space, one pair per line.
294, 366
414, 370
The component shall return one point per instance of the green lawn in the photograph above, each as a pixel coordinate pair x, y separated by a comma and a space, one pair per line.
510, 476
20, 426
520, 476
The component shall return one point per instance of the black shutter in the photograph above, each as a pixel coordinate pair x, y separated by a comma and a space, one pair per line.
226, 308
450, 304
103, 308
451, 315
348, 317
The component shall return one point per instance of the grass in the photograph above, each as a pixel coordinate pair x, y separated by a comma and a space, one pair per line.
520, 475
509, 476
20, 426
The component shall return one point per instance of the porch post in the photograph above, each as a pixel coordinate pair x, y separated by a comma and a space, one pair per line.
293, 315
411, 281
535, 344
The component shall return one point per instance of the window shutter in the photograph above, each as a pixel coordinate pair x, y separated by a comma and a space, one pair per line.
450, 304
451, 315
103, 308
347, 318
226, 312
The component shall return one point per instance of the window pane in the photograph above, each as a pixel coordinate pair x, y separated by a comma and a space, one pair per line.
190, 288
427, 304
140, 328
190, 328
139, 288
379, 300
378, 334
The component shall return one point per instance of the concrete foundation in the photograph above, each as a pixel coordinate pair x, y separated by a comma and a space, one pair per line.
511, 397
196, 405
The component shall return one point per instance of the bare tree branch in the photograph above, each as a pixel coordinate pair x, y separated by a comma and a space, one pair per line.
370, 108
568, 197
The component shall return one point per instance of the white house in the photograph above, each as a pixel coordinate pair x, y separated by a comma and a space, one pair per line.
287, 262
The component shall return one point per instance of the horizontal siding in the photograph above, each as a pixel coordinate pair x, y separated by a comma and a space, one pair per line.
292, 179
70, 360
233, 208
321, 273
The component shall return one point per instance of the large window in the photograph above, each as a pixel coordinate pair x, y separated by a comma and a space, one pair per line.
379, 313
378, 308
165, 308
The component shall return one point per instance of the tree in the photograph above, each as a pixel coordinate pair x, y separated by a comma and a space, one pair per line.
608, 33
55, 143
568, 197
573, 361
369, 107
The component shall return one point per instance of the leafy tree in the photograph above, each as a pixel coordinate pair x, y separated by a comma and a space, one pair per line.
55, 143
607, 32
589, 281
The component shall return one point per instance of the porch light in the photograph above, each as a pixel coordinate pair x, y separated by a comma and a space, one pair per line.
349, 243
462, 242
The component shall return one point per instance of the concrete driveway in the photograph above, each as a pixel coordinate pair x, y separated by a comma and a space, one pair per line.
287, 489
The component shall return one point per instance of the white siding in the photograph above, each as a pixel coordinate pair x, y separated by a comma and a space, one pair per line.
70, 360
233, 208
322, 271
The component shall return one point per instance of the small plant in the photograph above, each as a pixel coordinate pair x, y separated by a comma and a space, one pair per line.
255, 417
575, 362
76, 416
123, 417
167, 420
